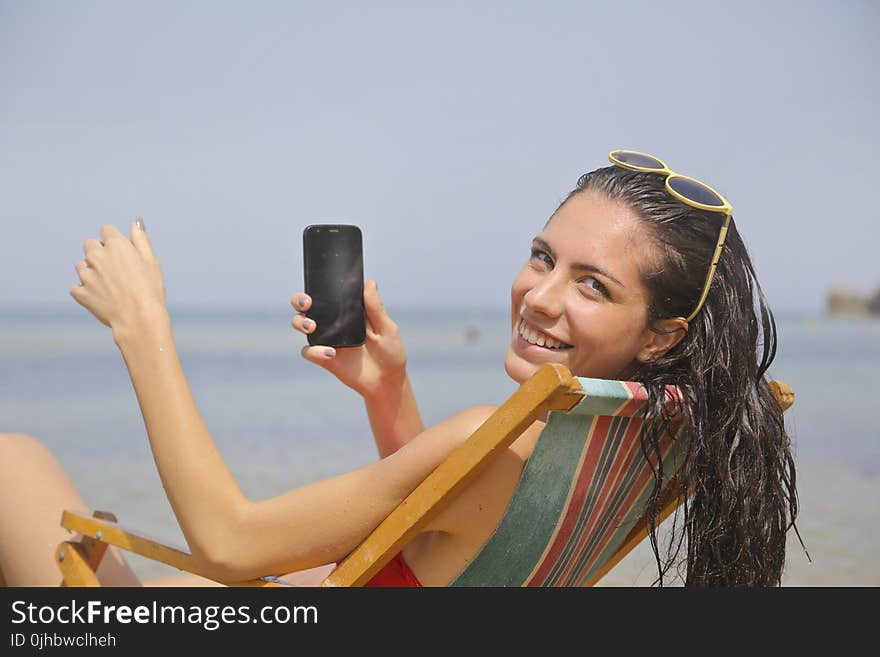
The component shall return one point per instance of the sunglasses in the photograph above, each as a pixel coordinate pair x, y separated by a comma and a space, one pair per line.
689, 191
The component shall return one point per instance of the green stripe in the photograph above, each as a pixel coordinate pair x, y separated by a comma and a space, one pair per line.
602, 397
511, 553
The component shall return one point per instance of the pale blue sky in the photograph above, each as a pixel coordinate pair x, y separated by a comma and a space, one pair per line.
447, 131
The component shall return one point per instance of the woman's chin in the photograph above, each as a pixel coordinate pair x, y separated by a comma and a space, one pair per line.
517, 368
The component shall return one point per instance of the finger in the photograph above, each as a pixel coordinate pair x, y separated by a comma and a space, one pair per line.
140, 239
303, 324
81, 267
301, 301
91, 245
80, 294
317, 354
376, 313
109, 232
82, 297
371, 332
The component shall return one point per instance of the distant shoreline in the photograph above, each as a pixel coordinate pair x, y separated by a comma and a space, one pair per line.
845, 302
55, 311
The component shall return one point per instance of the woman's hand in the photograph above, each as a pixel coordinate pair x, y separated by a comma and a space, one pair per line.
378, 364
121, 282
376, 370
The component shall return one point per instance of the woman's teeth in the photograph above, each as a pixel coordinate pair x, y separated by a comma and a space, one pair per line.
533, 337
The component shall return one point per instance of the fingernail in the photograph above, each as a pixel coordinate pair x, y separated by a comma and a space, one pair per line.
301, 302
140, 224
308, 325
329, 352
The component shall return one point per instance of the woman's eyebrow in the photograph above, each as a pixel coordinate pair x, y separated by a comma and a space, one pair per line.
593, 269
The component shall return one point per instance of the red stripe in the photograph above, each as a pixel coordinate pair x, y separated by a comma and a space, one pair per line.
638, 398
623, 456
595, 439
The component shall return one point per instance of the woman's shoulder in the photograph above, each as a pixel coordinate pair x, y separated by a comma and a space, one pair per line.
455, 535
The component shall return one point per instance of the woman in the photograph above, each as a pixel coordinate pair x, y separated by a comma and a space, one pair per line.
621, 283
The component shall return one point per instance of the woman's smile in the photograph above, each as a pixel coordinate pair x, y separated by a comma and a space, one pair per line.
529, 337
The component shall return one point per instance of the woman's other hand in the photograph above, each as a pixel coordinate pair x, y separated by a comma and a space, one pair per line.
120, 278
368, 369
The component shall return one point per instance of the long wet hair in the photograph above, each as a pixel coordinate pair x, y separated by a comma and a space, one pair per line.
737, 481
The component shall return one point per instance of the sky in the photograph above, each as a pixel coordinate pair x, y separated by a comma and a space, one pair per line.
448, 131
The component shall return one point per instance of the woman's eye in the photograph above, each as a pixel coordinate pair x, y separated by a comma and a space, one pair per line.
542, 257
595, 285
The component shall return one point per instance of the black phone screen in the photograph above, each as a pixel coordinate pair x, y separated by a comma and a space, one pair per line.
334, 278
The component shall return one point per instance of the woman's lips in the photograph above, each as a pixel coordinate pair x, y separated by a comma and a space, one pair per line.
530, 337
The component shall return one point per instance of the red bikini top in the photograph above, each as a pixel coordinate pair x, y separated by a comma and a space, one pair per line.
395, 573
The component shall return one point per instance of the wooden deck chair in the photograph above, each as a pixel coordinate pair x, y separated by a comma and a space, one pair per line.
577, 511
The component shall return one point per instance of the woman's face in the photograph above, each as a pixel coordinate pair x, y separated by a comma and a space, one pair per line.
580, 300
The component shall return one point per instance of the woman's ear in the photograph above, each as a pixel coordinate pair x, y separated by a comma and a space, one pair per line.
660, 337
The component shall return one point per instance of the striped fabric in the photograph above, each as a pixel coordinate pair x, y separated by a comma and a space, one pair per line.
582, 490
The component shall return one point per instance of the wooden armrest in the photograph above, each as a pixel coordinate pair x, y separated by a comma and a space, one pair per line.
101, 530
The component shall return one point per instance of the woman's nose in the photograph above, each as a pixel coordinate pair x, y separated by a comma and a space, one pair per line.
546, 296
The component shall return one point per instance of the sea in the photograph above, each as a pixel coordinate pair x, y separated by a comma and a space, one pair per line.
281, 422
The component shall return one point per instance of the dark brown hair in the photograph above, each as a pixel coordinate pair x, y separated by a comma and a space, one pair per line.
737, 482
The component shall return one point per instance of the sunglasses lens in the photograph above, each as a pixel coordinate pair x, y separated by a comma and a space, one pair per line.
695, 191
637, 160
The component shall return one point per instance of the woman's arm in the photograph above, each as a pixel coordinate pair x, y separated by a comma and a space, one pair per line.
394, 416
230, 536
376, 371
236, 538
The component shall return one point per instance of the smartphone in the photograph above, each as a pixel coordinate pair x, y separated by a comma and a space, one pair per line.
333, 257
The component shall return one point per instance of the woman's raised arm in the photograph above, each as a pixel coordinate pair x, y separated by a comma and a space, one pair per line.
230, 536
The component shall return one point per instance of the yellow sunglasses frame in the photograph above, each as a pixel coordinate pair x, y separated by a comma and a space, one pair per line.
726, 209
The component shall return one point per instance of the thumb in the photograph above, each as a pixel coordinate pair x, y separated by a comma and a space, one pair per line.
140, 239
376, 313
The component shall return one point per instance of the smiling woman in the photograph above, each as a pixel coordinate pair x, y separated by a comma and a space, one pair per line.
582, 289
621, 283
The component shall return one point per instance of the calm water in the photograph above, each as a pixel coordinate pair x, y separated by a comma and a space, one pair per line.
281, 422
